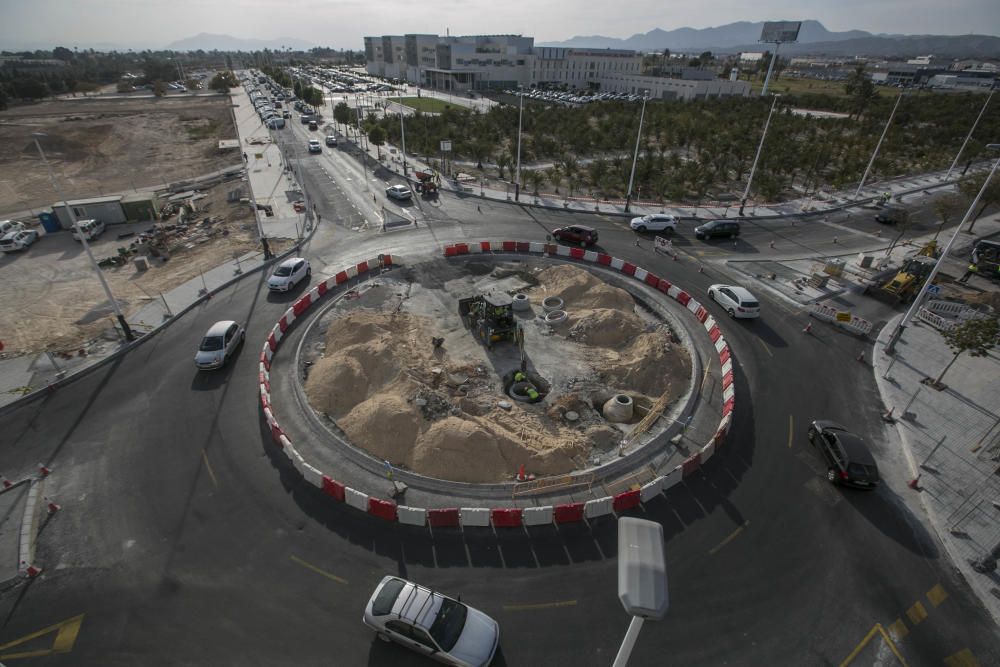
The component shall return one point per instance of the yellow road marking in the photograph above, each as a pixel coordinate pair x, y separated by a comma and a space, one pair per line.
791, 429
66, 633
864, 642
315, 569
937, 595
766, 348
208, 467
898, 629
963, 658
732, 536
916, 613
540, 605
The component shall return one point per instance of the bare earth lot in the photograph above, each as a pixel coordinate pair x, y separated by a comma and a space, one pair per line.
99, 146
51, 299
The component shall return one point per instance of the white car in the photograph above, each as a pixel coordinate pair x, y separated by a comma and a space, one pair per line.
398, 192
18, 240
220, 342
90, 229
654, 222
432, 624
735, 300
289, 274
314, 146
8, 226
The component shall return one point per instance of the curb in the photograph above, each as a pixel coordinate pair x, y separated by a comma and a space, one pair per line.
499, 517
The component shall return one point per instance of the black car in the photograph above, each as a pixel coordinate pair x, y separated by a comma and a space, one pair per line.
714, 228
581, 234
848, 459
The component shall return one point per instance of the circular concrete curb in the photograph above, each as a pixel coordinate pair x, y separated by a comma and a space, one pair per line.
498, 517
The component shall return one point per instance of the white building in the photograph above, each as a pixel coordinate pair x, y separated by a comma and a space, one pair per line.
658, 88
581, 68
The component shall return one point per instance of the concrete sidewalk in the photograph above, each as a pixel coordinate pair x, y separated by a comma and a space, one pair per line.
951, 439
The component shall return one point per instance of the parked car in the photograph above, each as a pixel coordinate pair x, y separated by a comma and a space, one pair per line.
654, 222
435, 625
219, 343
8, 226
90, 229
714, 228
18, 240
585, 236
331, 140
314, 146
848, 459
275, 123
398, 192
735, 300
289, 273
890, 215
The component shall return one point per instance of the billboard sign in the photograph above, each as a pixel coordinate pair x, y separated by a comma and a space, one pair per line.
780, 31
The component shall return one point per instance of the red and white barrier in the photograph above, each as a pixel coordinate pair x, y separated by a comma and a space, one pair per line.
411, 516
537, 516
356, 499
474, 516
598, 507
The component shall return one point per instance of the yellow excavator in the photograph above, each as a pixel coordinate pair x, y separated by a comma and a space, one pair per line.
903, 287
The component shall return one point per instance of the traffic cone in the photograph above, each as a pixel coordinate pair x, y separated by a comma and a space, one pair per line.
771, 244
44, 470
914, 483
30, 571
7, 483
861, 357
520, 474
887, 416
701, 269
809, 328
51, 506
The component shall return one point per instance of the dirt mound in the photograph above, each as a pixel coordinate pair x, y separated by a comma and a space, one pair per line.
386, 425
648, 364
605, 327
580, 289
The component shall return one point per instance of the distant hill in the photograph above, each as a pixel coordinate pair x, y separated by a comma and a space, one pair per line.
208, 42
814, 39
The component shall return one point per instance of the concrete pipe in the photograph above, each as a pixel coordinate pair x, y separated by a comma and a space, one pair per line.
551, 303
618, 408
556, 317
519, 391
521, 302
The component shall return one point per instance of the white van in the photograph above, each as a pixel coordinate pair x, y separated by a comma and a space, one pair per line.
90, 229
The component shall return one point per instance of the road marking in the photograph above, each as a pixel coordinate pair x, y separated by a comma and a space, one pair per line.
937, 595
732, 536
315, 569
766, 348
208, 467
916, 613
963, 658
898, 629
66, 633
791, 429
540, 605
864, 642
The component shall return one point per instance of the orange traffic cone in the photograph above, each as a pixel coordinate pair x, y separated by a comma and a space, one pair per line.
44, 470
809, 328
51, 506
520, 474
30, 571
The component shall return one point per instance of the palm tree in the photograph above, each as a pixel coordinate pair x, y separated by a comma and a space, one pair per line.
503, 161
535, 178
554, 176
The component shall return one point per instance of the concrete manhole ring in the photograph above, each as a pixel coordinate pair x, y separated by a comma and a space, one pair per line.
556, 317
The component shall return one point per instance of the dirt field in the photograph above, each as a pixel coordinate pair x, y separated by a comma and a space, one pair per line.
442, 411
98, 147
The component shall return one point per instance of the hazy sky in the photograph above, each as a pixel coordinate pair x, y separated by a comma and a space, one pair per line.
343, 23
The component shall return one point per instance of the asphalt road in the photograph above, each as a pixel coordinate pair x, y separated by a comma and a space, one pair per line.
186, 539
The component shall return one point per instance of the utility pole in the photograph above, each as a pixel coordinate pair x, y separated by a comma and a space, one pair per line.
878, 146
635, 156
969, 136
517, 174
760, 147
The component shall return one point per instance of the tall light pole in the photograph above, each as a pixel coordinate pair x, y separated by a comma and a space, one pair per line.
402, 134
126, 329
898, 331
969, 136
642, 578
517, 172
885, 131
760, 147
635, 157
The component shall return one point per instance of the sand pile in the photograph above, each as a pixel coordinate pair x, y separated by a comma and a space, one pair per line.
605, 327
579, 289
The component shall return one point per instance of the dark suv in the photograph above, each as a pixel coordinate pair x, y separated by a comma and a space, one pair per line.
585, 236
848, 459
714, 228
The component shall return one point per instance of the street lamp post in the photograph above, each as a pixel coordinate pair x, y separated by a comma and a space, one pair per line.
642, 578
969, 136
760, 147
898, 331
635, 156
517, 173
402, 134
126, 329
885, 131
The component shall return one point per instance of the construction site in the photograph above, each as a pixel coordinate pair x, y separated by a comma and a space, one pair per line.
485, 371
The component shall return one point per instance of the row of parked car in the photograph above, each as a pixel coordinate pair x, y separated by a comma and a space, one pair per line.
15, 236
576, 97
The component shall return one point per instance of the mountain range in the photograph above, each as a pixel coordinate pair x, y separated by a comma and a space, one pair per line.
814, 39
207, 42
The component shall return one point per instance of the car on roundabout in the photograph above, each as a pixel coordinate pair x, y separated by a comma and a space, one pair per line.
219, 344
288, 274
432, 624
849, 460
580, 234
735, 300
398, 192
654, 222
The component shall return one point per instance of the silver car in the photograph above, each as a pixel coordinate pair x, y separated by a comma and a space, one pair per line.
220, 342
447, 630
398, 192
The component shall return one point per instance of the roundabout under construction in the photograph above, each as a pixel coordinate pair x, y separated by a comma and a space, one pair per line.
502, 377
